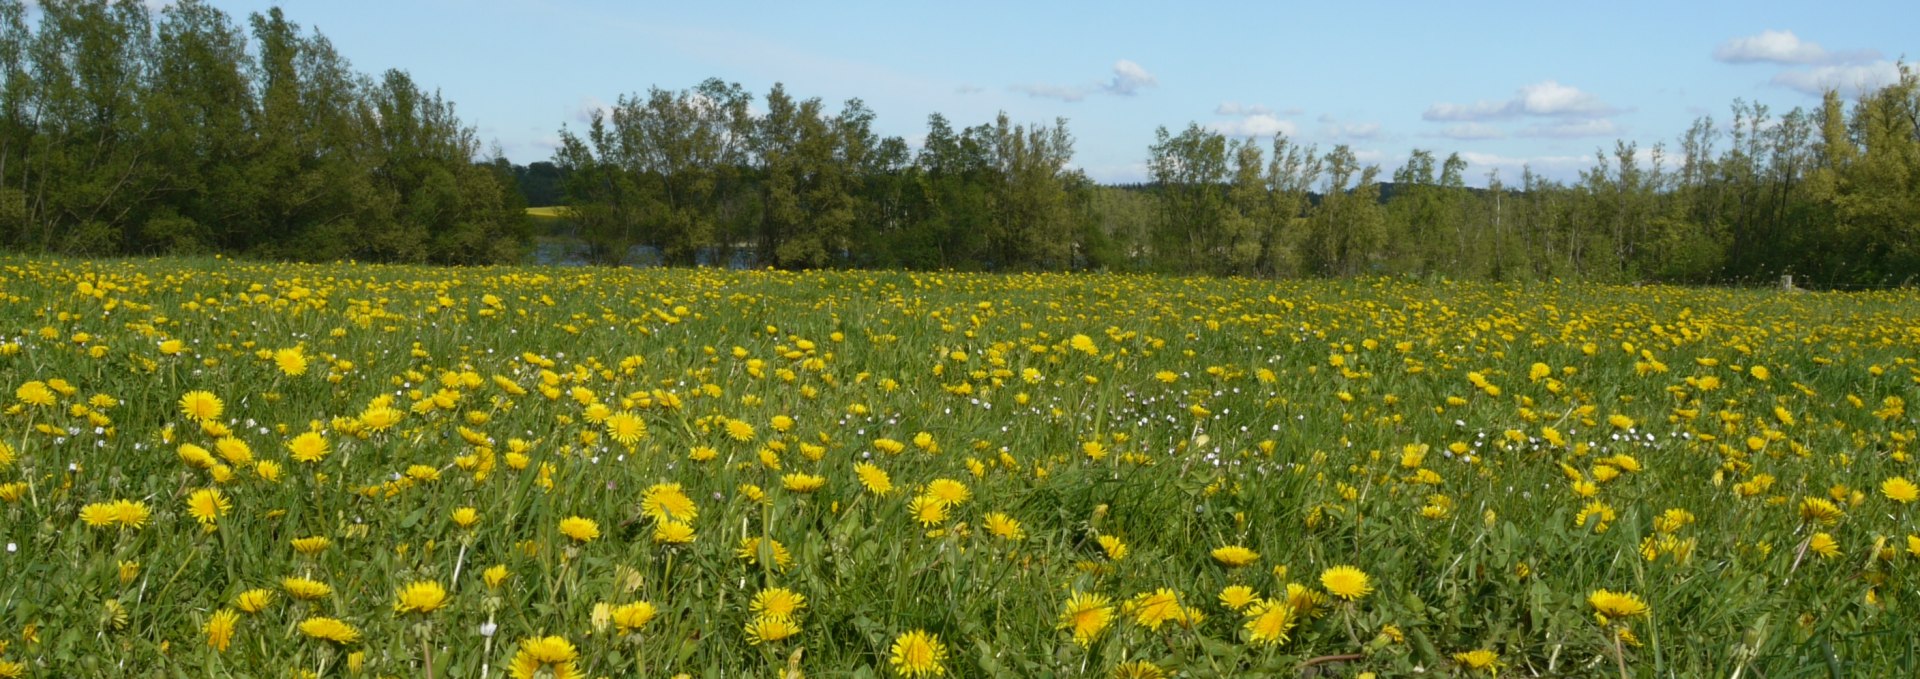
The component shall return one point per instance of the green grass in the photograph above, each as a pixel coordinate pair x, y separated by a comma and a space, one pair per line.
1274, 415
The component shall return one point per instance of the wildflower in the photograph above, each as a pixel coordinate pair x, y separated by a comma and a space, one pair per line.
330, 629
1152, 609
1236, 597
303, 588
1086, 615
1478, 659
253, 600
1004, 527
206, 505
778, 602
580, 529
466, 517
200, 406
420, 597
552, 654
1235, 556
1899, 489
763, 629
918, 654
1616, 604
633, 616
219, 629
667, 502
1268, 622
1345, 582
873, 478
1114, 548
308, 447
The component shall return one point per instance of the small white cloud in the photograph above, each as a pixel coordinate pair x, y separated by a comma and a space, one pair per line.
1547, 98
588, 105
1257, 125
1472, 132
1061, 92
1128, 78
1573, 129
969, 89
1849, 80
1351, 130
1783, 47
1234, 108
1369, 156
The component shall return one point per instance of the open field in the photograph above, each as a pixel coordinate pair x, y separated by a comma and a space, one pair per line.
221, 469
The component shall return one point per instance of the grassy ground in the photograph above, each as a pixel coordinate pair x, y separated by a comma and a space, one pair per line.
1044, 474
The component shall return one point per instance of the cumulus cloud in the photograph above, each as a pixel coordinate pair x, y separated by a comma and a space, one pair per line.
1547, 98
1128, 79
1850, 80
1256, 125
1783, 47
1472, 132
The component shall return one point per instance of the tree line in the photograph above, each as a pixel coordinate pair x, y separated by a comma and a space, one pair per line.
126, 130
1831, 195
129, 131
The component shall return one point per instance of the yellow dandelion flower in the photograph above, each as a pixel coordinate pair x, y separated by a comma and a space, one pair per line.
1479, 659
303, 588
1235, 556
633, 616
673, 533
873, 478
308, 447
219, 629
1086, 615
763, 629
799, 482
201, 406
1899, 489
1114, 548
1152, 609
918, 654
421, 597
1004, 527
253, 600
625, 428
580, 529
1345, 582
1616, 604
778, 602
1236, 597
553, 655
1268, 623
207, 505
948, 492
667, 502
330, 629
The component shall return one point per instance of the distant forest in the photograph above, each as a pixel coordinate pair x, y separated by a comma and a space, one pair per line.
131, 131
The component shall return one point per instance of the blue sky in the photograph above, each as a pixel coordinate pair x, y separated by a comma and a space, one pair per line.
1504, 83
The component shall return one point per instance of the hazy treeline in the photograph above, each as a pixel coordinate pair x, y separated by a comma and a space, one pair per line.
125, 130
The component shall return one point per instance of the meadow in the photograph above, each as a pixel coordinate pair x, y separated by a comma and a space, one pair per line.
218, 468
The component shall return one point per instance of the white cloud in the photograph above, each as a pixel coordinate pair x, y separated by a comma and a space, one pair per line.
1256, 125
1128, 79
1547, 98
1551, 166
1369, 156
1572, 129
969, 89
588, 104
1234, 108
1849, 80
1472, 132
1351, 130
1783, 47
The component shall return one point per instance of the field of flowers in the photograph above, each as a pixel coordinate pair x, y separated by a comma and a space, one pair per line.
220, 469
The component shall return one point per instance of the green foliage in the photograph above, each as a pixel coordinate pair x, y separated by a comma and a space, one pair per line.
124, 130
